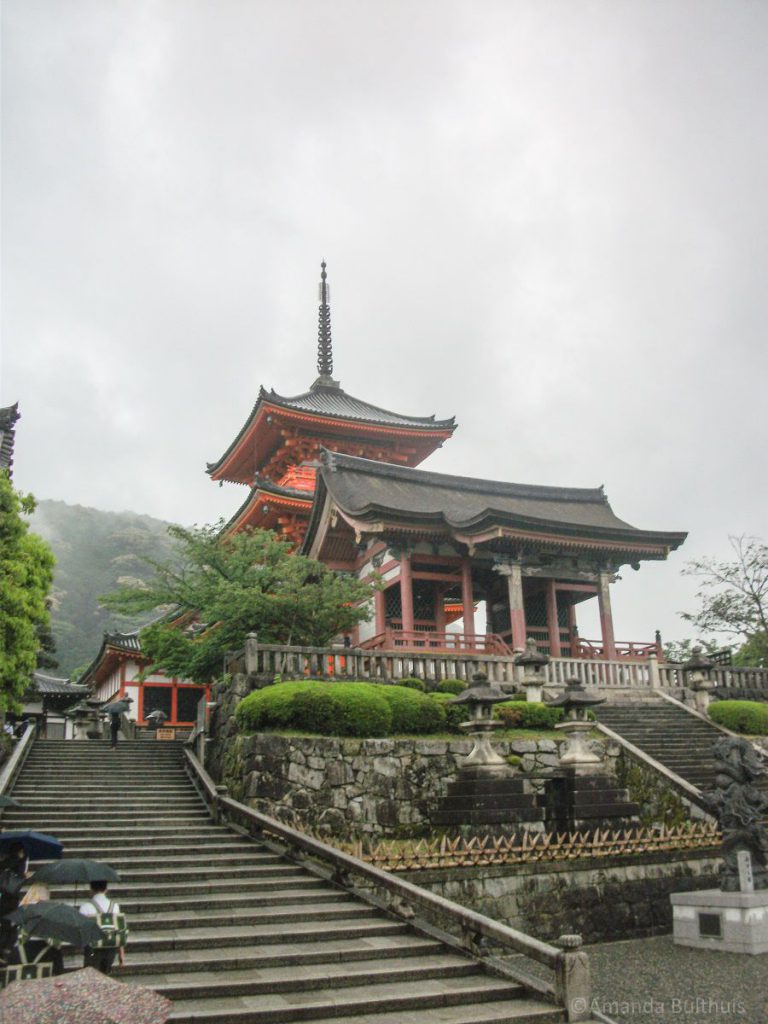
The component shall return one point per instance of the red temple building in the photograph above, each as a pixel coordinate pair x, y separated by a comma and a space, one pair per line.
338, 478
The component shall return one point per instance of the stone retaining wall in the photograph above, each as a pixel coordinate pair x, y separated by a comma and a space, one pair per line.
602, 899
353, 787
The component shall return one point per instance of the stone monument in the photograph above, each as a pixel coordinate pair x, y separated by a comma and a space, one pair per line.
733, 918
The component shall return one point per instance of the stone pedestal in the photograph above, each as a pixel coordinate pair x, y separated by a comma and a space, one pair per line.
731, 922
575, 802
475, 799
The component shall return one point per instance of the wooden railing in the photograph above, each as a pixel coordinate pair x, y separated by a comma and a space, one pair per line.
625, 649
443, 642
385, 665
468, 930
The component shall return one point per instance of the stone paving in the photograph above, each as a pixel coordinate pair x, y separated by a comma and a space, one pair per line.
653, 981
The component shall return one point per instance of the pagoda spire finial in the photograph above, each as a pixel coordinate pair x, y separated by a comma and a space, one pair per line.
324, 343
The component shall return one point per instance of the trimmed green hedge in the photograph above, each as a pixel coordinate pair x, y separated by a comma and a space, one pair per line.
412, 683
452, 686
748, 716
372, 709
454, 713
331, 709
340, 709
524, 714
412, 712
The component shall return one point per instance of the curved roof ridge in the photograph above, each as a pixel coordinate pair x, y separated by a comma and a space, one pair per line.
336, 397
334, 461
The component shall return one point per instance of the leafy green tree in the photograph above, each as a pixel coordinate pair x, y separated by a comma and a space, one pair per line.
26, 575
733, 597
224, 587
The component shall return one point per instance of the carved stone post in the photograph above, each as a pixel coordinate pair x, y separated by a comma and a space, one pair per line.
251, 654
573, 980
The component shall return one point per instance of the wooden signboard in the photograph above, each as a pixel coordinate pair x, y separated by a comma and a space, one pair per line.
166, 734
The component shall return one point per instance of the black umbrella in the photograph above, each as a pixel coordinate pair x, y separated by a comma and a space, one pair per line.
118, 707
57, 921
75, 869
37, 845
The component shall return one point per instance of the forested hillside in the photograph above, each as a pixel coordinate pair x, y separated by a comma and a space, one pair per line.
94, 552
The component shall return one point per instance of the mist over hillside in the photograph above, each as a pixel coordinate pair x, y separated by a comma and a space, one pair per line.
95, 552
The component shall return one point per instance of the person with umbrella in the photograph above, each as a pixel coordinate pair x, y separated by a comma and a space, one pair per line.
115, 710
13, 871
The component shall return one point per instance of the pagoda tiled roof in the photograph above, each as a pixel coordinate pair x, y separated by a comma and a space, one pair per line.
8, 417
372, 492
333, 403
264, 486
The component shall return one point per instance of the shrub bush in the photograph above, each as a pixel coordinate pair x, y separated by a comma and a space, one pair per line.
412, 712
748, 716
332, 709
452, 686
523, 714
455, 714
412, 683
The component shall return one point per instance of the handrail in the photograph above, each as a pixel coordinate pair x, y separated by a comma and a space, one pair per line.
13, 765
571, 983
690, 792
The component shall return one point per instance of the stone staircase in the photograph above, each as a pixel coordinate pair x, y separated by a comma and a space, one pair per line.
680, 741
228, 929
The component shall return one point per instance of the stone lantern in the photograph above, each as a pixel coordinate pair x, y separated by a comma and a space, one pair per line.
698, 675
533, 663
576, 702
86, 721
480, 698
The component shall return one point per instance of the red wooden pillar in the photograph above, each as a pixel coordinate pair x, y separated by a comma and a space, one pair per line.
380, 611
467, 595
514, 574
573, 629
553, 625
406, 592
439, 608
606, 617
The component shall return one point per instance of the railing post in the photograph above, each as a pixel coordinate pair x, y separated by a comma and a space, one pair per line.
251, 654
573, 982
653, 670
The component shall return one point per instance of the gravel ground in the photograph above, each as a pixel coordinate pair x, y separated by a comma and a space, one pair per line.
652, 981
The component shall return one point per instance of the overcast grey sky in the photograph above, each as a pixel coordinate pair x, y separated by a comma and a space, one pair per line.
547, 218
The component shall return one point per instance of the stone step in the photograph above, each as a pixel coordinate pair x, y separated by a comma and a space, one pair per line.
407, 997
310, 977
279, 954
123, 890
166, 903
226, 863
71, 819
242, 936
342, 909
519, 1011
156, 876
125, 848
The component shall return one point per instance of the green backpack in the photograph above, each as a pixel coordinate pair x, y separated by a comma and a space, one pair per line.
114, 926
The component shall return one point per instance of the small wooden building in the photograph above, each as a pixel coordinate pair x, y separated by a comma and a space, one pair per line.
121, 669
